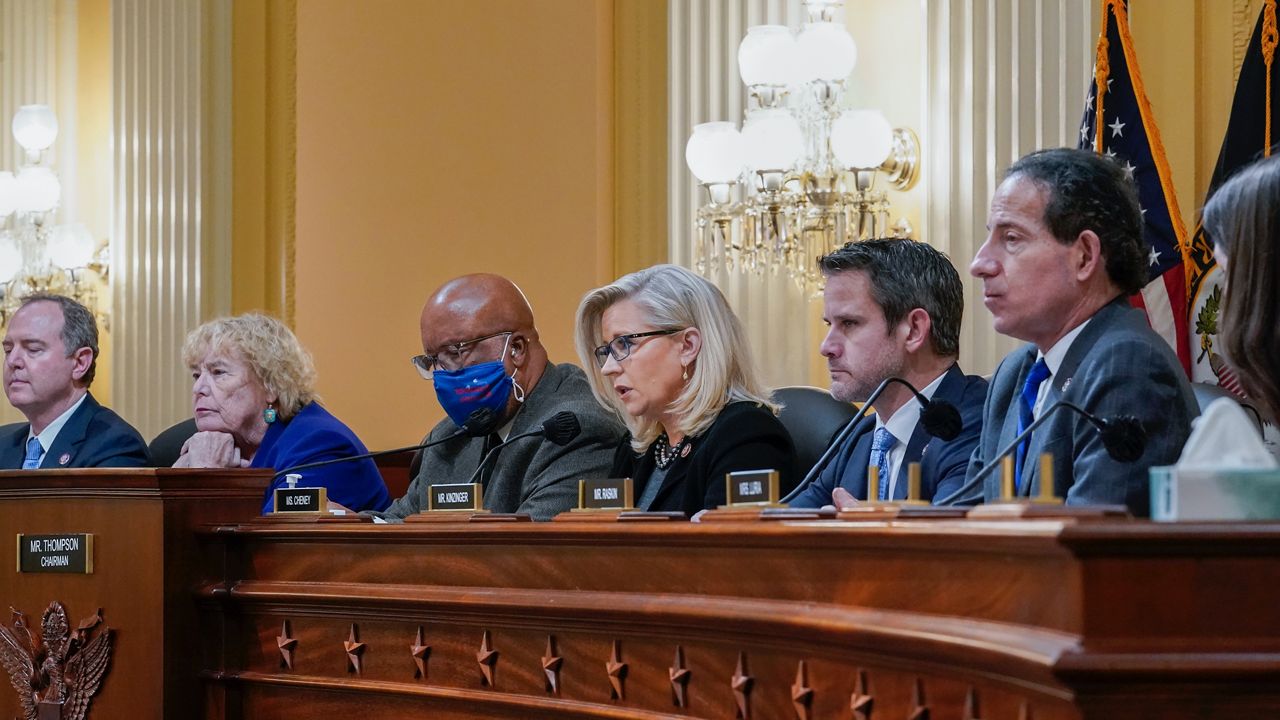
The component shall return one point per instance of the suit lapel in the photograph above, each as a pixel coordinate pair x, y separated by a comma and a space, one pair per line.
854, 475
14, 450
71, 436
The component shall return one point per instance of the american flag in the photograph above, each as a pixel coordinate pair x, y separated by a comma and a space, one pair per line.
1118, 123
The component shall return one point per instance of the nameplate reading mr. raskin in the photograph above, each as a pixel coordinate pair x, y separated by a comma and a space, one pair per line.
752, 487
61, 553
308, 500
455, 496
610, 494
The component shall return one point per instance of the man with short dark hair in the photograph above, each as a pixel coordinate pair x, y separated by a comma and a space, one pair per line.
893, 308
1064, 252
50, 355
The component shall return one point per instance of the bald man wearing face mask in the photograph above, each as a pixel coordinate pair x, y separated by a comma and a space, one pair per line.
481, 350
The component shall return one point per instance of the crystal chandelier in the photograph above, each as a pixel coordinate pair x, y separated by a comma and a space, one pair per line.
799, 179
35, 255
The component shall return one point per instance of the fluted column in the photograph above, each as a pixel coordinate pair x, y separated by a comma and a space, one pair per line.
171, 245
1003, 77
704, 86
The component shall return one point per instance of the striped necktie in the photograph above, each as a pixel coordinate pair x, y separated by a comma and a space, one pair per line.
32, 459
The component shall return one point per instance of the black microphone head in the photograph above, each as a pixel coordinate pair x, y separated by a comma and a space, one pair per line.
1124, 438
562, 427
480, 422
941, 419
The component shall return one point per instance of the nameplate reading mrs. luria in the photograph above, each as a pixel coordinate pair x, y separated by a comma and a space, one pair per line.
609, 494
455, 496
61, 553
752, 487
300, 499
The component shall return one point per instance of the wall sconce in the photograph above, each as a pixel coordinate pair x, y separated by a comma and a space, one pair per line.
805, 169
34, 255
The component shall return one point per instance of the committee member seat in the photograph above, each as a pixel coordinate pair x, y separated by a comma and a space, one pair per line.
813, 418
166, 446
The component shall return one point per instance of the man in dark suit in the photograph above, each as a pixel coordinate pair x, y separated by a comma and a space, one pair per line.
893, 308
1065, 251
481, 349
50, 355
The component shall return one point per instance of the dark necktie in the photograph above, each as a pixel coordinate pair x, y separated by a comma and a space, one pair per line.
1026, 414
490, 442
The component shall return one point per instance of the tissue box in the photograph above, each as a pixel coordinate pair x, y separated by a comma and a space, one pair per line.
1214, 494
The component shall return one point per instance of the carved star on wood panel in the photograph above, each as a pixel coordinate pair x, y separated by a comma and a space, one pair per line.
551, 663
488, 659
861, 702
921, 709
801, 693
679, 674
421, 653
286, 643
742, 683
971, 711
617, 672
355, 652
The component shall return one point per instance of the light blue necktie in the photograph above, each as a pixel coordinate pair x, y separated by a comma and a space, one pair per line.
881, 441
32, 460
1026, 414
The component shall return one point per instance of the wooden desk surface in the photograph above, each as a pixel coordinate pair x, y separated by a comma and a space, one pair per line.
965, 619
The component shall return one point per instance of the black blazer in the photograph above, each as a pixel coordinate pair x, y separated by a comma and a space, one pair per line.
94, 436
745, 436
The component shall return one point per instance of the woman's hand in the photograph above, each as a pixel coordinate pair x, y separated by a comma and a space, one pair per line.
211, 450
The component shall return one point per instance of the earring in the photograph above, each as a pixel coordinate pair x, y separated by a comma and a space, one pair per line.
269, 414
685, 376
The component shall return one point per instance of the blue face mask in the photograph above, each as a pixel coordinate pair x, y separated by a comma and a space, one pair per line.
484, 385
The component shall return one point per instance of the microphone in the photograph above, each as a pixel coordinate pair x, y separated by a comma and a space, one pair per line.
559, 429
939, 418
478, 424
1123, 437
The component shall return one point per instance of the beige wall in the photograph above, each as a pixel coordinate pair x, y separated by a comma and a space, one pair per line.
436, 139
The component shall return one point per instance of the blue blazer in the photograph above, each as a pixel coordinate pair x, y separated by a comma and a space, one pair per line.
942, 463
314, 435
94, 436
1116, 365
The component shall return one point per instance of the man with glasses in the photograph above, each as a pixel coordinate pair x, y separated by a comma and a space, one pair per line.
481, 351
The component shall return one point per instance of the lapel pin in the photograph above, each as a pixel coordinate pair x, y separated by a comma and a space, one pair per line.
66, 458
684, 452
1066, 384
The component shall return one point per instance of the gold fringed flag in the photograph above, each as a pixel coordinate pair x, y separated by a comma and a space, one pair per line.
1118, 123
1250, 136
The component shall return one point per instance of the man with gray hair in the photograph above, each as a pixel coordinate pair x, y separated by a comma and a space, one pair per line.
893, 308
50, 355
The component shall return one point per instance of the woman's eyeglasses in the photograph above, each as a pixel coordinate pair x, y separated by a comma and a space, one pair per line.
620, 347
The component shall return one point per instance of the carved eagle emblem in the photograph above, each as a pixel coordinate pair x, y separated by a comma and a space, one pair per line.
61, 673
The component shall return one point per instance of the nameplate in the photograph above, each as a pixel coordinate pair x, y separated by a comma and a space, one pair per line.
300, 500
752, 487
61, 553
455, 496
609, 494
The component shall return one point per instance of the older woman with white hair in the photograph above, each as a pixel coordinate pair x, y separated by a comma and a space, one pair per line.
672, 361
255, 405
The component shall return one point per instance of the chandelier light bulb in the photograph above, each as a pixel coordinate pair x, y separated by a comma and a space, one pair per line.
10, 257
38, 190
714, 153
773, 139
71, 246
35, 127
861, 139
8, 194
824, 51
767, 56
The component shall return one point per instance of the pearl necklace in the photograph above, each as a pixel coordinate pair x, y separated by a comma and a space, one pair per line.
664, 453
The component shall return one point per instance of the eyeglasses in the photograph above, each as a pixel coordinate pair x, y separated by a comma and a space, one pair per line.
454, 357
620, 347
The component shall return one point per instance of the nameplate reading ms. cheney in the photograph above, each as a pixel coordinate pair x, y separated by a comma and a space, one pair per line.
752, 487
307, 500
61, 553
455, 496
